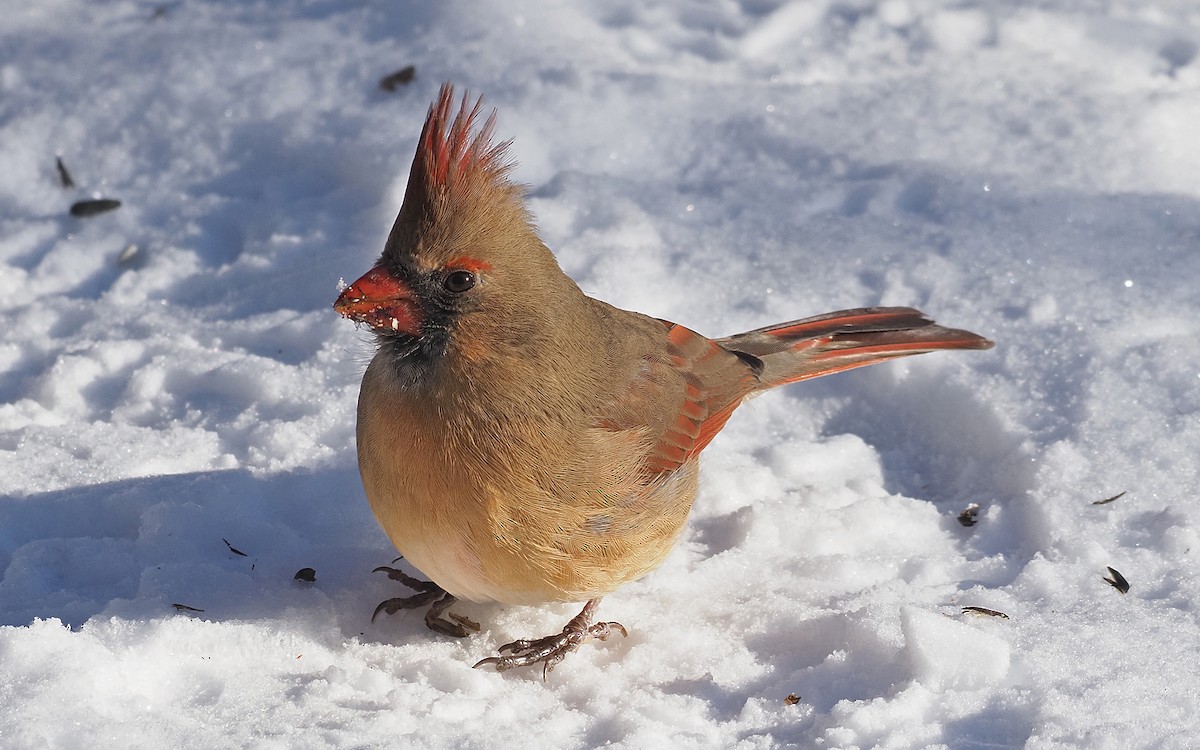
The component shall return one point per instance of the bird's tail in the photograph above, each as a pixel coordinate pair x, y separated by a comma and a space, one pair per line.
813, 347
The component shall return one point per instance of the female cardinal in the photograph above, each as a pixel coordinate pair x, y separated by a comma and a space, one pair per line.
521, 442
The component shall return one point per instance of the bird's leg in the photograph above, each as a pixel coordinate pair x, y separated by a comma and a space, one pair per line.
428, 594
552, 649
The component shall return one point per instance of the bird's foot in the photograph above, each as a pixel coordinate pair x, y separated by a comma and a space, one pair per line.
431, 595
552, 649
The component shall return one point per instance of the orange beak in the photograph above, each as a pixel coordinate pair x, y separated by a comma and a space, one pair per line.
382, 301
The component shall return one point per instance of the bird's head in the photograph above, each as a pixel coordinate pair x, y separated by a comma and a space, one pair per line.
463, 270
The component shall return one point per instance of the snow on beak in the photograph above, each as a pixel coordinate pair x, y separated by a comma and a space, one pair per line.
382, 301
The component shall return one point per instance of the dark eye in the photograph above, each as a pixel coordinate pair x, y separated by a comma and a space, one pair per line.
459, 281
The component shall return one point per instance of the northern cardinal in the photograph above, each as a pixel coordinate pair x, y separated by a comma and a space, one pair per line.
521, 442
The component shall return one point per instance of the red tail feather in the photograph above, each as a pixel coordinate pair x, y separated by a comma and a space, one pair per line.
830, 343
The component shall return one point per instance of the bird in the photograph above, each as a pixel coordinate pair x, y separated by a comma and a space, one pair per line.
521, 442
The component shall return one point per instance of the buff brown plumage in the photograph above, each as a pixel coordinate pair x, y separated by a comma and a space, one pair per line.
524, 443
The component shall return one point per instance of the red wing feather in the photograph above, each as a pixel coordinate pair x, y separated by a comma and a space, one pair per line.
685, 394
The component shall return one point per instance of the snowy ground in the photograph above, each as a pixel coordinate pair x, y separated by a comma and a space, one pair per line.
1027, 170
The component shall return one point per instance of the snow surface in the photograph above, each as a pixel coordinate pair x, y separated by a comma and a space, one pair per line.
1027, 170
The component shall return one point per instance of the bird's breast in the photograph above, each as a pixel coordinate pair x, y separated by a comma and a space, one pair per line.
522, 510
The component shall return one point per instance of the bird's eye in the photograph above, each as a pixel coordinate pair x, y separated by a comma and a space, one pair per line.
459, 281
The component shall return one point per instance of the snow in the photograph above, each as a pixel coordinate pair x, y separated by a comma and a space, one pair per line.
1025, 170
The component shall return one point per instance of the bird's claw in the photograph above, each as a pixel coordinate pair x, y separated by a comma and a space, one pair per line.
428, 592
429, 595
392, 606
456, 626
416, 584
552, 649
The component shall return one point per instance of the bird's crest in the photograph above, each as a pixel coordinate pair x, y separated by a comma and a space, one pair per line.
458, 183
452, 153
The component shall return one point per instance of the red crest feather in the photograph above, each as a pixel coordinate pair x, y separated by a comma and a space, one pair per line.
449, 153
455, 167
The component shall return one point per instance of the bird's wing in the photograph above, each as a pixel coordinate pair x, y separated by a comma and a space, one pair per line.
681, 395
